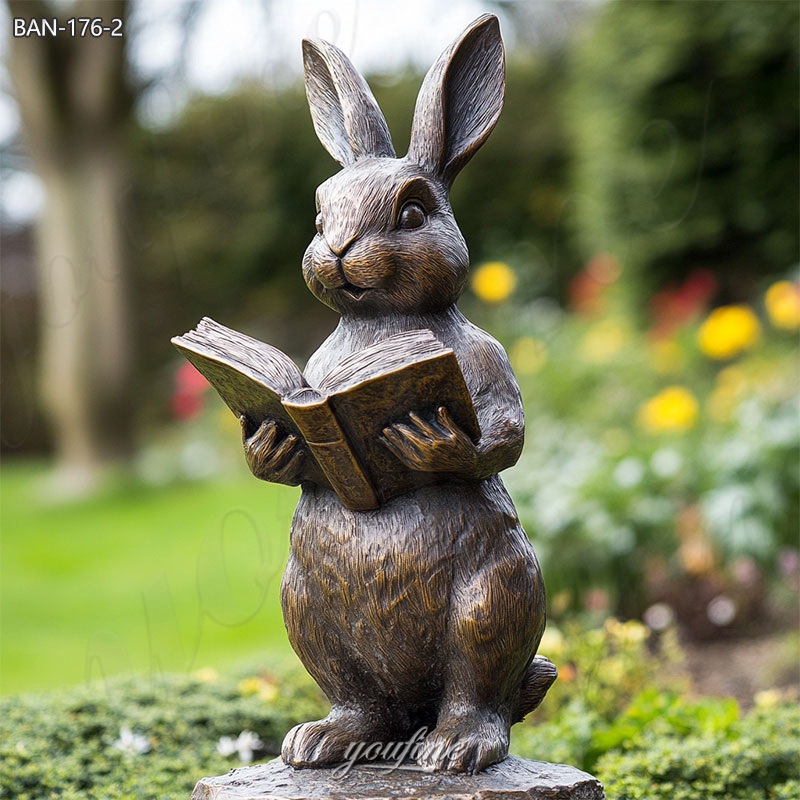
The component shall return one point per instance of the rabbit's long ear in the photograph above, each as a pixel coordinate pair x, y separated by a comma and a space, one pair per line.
346, 116
460, 100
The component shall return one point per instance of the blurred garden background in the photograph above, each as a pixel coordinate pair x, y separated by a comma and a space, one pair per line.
633, 227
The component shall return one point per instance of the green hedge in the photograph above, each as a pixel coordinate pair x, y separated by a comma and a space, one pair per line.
67, 745
754, 759
152, 740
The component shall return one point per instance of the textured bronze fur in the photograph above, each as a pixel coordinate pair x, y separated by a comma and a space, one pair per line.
427, 611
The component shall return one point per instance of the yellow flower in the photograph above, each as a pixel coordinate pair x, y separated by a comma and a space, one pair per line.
265, 688
673, 409
603, 341
248, 686
528, 355
494, 282
268, 691
626, 632
206, 675
728, 330
783, 305
768, 698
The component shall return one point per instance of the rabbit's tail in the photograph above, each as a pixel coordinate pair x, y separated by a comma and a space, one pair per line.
539, 677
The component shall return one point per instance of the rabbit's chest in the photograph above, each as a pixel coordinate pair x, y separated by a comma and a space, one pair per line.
405, 535
428, 532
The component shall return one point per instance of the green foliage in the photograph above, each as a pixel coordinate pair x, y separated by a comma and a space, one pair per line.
604, 668
650, 471
619, 710
755, 757
68, 745
604, 691
684, 117
578, 734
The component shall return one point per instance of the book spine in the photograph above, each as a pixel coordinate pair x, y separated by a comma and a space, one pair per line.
328, 443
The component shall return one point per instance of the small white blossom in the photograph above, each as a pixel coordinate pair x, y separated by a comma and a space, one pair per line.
659, 616
721, 610
131, 743
244, 745
628, 473
666, 462
226, 746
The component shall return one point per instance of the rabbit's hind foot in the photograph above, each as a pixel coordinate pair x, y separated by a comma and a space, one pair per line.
465, 743
326, 741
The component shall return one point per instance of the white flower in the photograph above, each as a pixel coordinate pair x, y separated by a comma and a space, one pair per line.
131, 743
659, 616
628, 473
244, 745
721, 610
666, 462
226, 746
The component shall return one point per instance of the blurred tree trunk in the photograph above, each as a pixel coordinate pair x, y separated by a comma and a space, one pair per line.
76, 106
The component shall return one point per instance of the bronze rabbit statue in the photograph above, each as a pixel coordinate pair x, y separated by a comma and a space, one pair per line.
426, 612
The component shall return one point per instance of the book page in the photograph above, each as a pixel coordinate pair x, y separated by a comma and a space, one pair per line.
250, 376
259, 360
382, 358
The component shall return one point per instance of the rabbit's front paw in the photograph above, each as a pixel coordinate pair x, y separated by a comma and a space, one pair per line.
271, 457
437, 446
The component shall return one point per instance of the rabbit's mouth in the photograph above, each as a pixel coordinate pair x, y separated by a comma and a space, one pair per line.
356, 292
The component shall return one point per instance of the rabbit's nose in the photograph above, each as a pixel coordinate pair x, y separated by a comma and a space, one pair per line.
337, 243
328, 270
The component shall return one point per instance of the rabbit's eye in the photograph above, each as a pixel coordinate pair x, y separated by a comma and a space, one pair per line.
411, 216
318, 223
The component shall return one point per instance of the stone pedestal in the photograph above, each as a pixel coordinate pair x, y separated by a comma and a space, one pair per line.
514, 778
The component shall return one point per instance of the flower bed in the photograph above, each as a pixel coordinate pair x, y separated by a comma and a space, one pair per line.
660, 471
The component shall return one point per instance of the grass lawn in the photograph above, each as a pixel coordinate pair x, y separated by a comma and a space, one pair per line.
143, 579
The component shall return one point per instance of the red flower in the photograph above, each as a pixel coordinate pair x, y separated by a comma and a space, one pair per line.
586, 290
673, 308
190, 386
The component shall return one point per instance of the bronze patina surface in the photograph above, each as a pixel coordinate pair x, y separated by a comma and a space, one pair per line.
425, 612
513, 779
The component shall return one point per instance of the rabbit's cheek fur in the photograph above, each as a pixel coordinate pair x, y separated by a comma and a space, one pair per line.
431, 266
368, 265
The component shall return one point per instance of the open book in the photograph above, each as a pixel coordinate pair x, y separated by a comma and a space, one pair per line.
342, 418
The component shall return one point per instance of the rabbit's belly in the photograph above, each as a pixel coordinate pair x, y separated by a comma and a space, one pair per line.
379, 578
